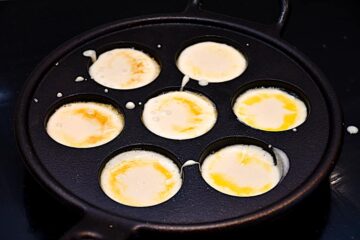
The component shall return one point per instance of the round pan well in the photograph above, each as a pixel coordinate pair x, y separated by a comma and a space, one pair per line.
140, 178
179, 115
123, 66
84, 124
270, 109
211, 61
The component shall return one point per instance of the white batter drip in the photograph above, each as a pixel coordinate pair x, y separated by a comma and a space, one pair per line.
79, 79
352, 129
130, 105
91, 54
184, 81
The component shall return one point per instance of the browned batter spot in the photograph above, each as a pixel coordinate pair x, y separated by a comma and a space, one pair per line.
137, 67
93, 114
103, 121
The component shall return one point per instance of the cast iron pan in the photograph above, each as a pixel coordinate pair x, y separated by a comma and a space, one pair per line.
73, 174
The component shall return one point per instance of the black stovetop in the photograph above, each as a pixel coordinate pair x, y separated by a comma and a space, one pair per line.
327, 31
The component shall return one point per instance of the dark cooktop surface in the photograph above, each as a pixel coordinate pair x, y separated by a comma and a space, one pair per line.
328, 32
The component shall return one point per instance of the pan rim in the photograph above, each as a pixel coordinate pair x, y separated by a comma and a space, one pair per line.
37, 169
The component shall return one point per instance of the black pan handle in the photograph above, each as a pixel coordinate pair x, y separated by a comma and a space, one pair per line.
194, 8
284, 14
97, 228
